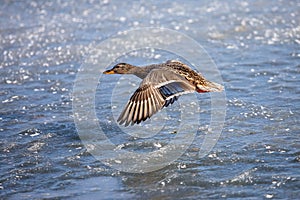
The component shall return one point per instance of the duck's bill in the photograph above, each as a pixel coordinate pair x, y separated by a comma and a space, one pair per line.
109, 72
209, 87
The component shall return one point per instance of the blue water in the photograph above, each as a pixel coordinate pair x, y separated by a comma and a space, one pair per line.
255, 45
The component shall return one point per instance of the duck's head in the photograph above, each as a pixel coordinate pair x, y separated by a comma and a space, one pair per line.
121, 68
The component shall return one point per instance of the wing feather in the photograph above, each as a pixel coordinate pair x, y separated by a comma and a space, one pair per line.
159, 89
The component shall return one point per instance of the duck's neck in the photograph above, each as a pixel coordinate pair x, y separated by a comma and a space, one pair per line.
141, 72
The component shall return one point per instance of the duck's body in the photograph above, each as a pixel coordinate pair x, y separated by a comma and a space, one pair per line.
161, 86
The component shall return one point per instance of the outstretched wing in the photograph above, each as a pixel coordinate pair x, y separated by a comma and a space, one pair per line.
159, 89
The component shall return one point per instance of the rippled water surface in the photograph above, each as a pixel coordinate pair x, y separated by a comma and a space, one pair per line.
255, 45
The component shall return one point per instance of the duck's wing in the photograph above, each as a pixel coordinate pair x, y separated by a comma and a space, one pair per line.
159, 89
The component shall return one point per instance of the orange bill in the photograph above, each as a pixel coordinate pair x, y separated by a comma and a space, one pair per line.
109, 72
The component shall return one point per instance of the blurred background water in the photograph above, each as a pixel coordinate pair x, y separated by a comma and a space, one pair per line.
255, 45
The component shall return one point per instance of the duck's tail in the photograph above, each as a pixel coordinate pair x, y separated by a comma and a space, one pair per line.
209, 86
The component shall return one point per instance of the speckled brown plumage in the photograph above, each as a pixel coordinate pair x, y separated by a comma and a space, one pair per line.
161, 86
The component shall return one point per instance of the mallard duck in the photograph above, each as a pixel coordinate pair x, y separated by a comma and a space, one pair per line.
161, 86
